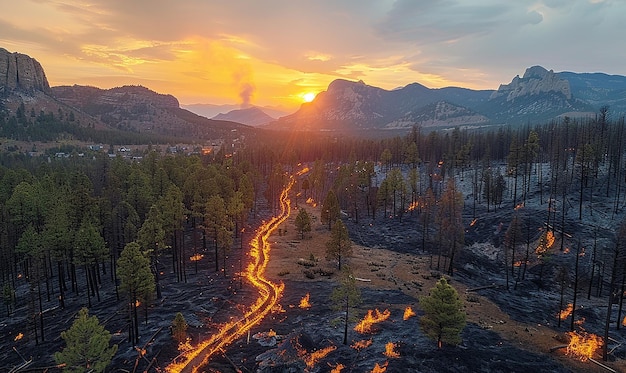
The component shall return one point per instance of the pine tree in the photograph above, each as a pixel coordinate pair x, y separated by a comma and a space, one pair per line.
444, 317
87, 345
136, 280
303, 222
179, 328
330, 209
346, 296
339, 245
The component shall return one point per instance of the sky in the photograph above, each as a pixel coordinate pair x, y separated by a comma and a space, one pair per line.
275, 52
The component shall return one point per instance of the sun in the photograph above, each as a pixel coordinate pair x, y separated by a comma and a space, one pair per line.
308, 97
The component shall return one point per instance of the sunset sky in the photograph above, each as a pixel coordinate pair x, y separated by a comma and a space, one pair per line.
273, 52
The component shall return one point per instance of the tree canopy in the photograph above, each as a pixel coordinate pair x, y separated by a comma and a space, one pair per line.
444, 317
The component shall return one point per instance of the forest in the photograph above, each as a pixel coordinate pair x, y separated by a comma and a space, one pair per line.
74, 229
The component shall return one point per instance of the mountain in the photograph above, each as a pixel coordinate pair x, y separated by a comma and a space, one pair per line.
210, 110
536, 97
252, 116
44, 112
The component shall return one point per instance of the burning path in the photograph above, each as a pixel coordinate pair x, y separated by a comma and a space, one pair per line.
269, 293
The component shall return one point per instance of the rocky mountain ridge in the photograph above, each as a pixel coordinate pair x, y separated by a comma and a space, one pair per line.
538, 96
19, 71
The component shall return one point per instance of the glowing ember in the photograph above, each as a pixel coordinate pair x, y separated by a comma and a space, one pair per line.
380, 368
196, 257
185, 346
338, 368
18, 337
583, 345
566, 250
566, 312
269, 293
311, 359
413, 206
362, 344
473, 222
624, 321
303, 171
545, 242
580, 322
519, 263
311, 201
408, 313
519, 206
390, 351
304, 302
372, 317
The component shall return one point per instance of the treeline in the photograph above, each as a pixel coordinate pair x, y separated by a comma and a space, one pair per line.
27, 125
64, 226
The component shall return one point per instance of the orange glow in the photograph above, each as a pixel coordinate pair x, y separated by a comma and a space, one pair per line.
137, 303
311, 359
338, 368
269, 293
546, 241
413, 206
303, 171
519, 206
519, 263
18, 337
624, 321
580, 322
583, 346
304, 302
390, 351
311, 201
566, 312
380, 368
408, 313
185, 346
566, 250
362, 344
196, 257
473, 222
372, 317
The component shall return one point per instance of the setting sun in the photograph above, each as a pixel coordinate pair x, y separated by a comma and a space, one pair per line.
308, 97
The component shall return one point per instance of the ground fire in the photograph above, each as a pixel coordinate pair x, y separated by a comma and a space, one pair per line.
372, 317
390, 351
269, 293
408, 313
583, 345
304, 302
362, 344
566, 312
380, 368
337, 368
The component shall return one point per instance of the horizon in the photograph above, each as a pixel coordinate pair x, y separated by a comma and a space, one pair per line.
277, 54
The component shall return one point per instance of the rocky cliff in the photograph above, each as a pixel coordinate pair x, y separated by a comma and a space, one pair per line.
21, 72
536, 80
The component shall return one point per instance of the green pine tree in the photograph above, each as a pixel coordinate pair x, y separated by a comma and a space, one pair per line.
179, 328
339, 246
444, 317
87, 345
330, 209
303, 222
346, 296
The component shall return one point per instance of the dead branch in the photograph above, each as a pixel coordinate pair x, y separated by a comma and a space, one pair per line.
602, 365
481, 288
552, 349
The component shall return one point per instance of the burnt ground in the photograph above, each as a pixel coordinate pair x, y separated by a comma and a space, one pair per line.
508, 330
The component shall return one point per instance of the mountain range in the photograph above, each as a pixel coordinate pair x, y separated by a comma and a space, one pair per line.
538, 96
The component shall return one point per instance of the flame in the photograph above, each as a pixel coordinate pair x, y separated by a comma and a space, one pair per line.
390, 351
338, 368
372, 317
413, 205
519, 206
269, 293
566, 312
185, 346
473, 222
311, 201
624, 321
580, 321
304, 302
519, 263
303, 171
566, 250
362, 344
380, 368
311, 359
545, 242
583, 345
408, 313
18, 336
137, 303
196, 257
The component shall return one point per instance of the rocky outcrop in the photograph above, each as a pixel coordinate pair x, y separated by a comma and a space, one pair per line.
21, 72
536, 80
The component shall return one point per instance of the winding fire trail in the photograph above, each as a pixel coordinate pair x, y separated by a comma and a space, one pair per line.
269, 293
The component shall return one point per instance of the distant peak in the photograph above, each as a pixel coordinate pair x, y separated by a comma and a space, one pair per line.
536, 72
